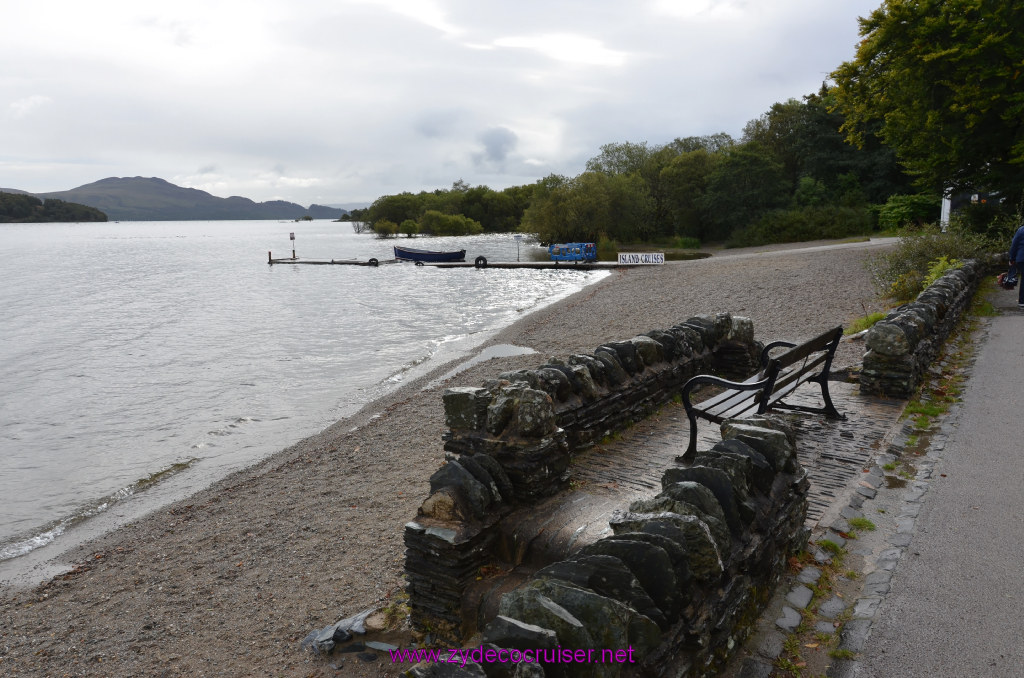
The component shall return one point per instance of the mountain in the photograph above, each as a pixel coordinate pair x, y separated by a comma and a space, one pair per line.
153, 199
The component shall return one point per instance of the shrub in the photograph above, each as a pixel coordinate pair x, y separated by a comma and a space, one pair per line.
384, 228
805, 223
901, 272
902, 210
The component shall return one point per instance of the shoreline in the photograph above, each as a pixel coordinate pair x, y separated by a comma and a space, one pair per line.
231, 578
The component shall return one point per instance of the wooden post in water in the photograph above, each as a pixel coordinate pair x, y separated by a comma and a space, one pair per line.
270, 259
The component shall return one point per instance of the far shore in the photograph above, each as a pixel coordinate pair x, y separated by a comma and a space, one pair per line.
229, 580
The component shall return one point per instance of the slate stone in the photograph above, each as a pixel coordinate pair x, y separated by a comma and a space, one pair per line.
648, 350
761, 473
455, 476
698, 495
715, 480
703, 557
825, 627
497, 474
531, 606
865, 608
555, 383
609, 623
855, 634
789, 620
755, 668
445, 670
626, 354
535, 417
508, 632
799, 597
651, 566
774, 445
771, 644
832, 608
669, 537
613, 370
465, 408
502, 408
477, 470
665, 504
809, 575
609, 577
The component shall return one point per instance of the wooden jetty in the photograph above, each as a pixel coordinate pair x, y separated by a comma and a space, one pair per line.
479, 262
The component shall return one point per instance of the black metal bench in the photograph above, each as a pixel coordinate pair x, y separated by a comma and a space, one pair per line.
778, 377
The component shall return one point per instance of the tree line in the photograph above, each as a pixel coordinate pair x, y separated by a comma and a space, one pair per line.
930, 106
21, 208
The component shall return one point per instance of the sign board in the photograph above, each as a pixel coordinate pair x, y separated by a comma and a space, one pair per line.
641, 258
291, 236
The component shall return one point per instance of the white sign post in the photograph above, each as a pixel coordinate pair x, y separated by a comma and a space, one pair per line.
291, 236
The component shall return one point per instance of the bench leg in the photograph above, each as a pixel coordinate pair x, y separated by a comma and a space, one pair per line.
691, 450
830, 410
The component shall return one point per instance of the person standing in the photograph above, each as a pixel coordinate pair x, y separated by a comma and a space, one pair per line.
1017, 259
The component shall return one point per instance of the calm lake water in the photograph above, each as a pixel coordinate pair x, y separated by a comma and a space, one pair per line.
135, 356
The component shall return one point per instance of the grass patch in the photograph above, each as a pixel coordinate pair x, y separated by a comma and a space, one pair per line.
864, 323
862, 524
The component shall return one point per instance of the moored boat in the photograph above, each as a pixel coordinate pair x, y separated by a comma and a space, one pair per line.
413, 254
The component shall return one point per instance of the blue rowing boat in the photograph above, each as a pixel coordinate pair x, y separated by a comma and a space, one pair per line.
412, 254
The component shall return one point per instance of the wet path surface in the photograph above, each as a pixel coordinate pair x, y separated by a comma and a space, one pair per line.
610, 476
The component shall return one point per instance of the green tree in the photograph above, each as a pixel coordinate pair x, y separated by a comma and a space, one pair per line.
747, 182
685, 181
942, 83
588, 206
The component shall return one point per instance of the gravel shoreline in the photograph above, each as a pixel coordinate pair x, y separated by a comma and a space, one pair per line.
228, 581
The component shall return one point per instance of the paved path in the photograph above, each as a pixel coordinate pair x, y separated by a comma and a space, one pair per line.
957, 594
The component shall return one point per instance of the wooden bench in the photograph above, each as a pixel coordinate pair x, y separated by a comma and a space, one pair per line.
779, 377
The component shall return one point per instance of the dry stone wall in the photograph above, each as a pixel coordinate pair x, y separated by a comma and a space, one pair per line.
675, 586
680, 572
901, 347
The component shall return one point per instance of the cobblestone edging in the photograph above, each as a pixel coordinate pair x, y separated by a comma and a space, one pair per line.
902, 345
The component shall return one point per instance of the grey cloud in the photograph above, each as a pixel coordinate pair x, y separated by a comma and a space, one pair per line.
498, 143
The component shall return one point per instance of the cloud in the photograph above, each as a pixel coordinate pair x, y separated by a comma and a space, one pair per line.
498, 143
23, 108
568, 48
352, 99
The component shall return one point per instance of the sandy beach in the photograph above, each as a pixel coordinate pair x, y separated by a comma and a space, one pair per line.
229, 581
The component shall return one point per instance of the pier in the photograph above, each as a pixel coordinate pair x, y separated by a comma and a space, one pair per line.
479, 262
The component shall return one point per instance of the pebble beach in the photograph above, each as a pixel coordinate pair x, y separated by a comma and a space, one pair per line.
229, 581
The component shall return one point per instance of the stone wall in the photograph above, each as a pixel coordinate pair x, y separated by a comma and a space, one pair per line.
680, 572
510, 442
901, 347
676, 585
532, 421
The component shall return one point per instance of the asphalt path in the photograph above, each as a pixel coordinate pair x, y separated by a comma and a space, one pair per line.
958, 594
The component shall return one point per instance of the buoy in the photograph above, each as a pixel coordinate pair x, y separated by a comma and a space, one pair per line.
373, 262
419, 263
480, 262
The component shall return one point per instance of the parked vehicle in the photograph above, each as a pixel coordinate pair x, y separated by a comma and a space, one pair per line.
573, 251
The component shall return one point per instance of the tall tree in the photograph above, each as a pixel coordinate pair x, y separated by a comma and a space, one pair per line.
943, 80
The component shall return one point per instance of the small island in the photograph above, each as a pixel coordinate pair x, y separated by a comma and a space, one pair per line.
18, 208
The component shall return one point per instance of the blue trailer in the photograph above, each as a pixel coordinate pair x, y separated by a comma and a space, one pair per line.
573, 251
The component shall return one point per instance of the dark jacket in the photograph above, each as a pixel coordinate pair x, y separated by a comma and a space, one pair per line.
1017, 246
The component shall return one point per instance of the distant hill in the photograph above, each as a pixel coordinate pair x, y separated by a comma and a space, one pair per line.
152, 199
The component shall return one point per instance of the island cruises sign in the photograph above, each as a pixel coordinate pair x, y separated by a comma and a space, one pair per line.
640, 258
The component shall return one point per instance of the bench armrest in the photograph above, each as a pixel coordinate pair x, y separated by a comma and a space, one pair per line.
702, 379
766, 351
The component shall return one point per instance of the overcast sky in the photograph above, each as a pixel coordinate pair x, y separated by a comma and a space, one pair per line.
341, 101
